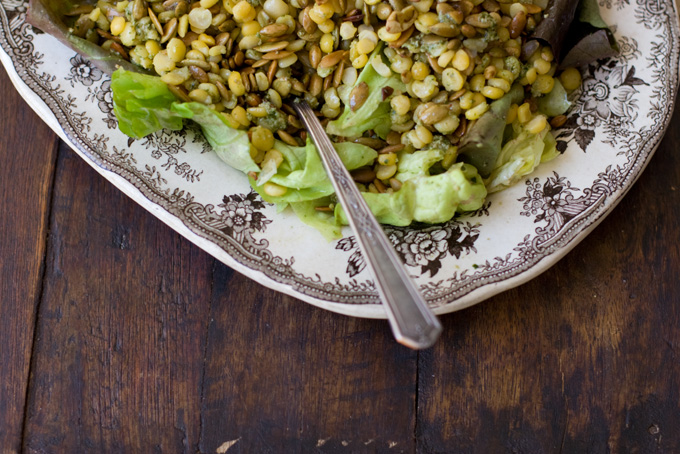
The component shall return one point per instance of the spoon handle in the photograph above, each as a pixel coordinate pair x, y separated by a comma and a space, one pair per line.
413, 323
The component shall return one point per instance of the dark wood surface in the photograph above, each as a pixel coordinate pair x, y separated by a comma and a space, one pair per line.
119, 336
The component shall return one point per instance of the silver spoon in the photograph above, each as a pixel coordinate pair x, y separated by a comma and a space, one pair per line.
413, 323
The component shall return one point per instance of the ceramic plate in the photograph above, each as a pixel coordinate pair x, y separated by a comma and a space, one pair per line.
617, 121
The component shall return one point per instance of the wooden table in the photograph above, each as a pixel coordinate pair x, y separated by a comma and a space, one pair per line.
117, 335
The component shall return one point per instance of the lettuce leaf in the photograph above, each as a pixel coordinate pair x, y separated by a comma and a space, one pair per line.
374, 113
520, 156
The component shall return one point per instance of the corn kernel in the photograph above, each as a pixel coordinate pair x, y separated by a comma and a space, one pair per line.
543, 84
208, 3
477, 111
250, 28
239, 114
201, 96
477, 82
321, 13
385, 172
200, 19
571, 79
467, 100
423, 134
531, 75
537, 124
420, 70
400, 104
524, 113
176, 49
387, 159
262, 138
445, 58
152, 47
512, 114
327, 26
542, 66
499, 83
365, 46
327, 43
200, 46
162, 63
347, 30
276, 8
492, 92
274, 190
461, 61
235, 83
452, 79
360, 61
117, 25
183, 26
243, 12
386, 36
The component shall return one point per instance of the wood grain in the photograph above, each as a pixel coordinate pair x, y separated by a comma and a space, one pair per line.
27, 163
582, 359
120, 348
282, 376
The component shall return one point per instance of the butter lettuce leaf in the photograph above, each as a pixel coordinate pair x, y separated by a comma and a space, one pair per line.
374, 113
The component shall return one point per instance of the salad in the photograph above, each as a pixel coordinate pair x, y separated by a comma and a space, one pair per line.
431, 105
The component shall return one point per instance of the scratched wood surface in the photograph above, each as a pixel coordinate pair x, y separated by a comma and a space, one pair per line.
117, 335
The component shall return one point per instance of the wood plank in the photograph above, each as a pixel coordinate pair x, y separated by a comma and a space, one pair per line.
582, 359
25, 183
282, 376
119, 354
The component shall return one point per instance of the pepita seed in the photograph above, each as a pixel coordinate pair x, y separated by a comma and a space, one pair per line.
332, 59
272, 47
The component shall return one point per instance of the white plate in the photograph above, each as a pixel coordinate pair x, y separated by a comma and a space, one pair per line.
616, 124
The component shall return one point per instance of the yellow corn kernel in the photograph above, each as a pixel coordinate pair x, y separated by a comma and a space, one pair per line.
385, 172
327, 43
420, 70
275, 156
235, 83
571, 79
477, 82
250, 28
499, 83
400, 104
401, 64
347, 30
259, 112
445, 58
200, 19
531, 75
244, 12
372, 2
262, 138
547, 54
200, 46
95, 14
386, 36
461, 61
542, 66
467, 100
327, 26
360, 61
117, 25
524, 113
492, 92
387, 159
425, 21
512, 114
503, 34
423, 134
162, 63
176, 49
274, 190
200, 95
321, 13
183, 26
239, 114
365, 46
543, 84
173, 78
477, 111
208, 3
506, 74
537, 124
152, 47
452, 79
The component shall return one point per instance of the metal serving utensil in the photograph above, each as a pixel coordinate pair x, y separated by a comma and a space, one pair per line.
413, 323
